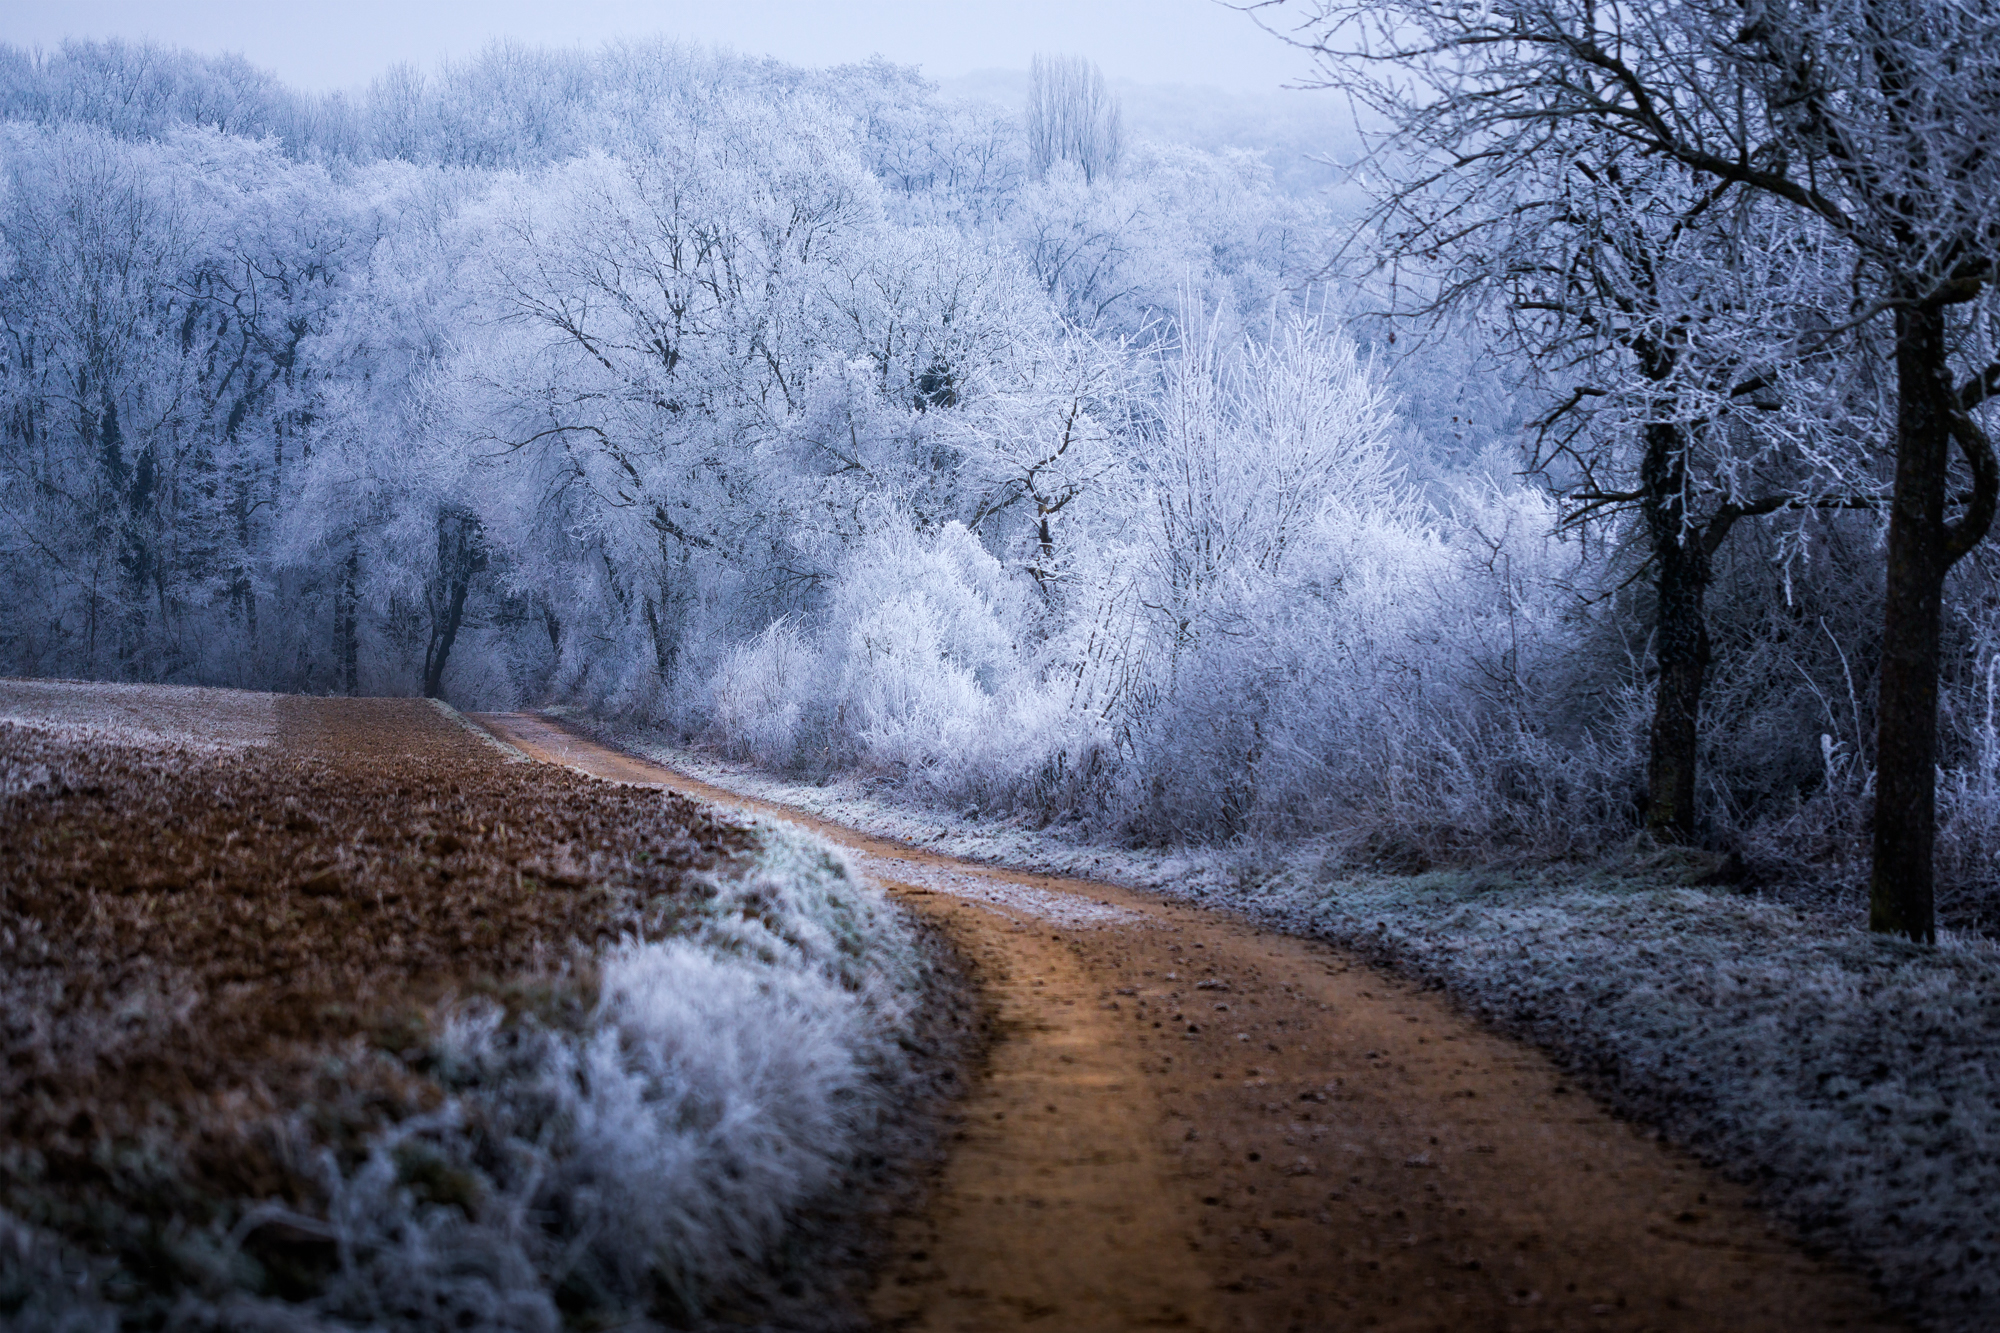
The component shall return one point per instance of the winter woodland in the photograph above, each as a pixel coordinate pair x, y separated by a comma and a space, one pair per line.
1019, 461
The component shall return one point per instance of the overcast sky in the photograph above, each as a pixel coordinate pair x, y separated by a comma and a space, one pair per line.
344, 43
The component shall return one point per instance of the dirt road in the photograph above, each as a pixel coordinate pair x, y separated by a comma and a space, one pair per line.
1188, 1122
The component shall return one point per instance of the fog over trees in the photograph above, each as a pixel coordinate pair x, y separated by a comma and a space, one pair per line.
1036, 467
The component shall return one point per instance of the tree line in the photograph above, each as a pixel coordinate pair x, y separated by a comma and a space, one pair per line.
1043, 470
1755, 246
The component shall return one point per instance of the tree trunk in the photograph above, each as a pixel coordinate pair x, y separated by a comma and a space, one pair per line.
666, 643
1681, 647
461, 554
1900, 897
444, 633
1680, 634
346, 623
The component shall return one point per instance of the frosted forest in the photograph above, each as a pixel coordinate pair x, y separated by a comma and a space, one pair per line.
1505, 503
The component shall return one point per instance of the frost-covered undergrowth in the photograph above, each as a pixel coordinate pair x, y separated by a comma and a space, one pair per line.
631, 1162
1854, 1079
875, 808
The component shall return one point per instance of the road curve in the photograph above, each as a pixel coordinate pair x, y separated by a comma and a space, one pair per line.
1189, 1122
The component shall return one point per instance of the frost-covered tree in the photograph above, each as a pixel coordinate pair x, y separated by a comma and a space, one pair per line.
786, 407
157, 309
1873, 118
1264, 462
1046, 437
1671, 332
1072, 117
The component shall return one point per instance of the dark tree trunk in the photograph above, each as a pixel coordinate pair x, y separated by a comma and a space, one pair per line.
346, 623
244, 597
461, 554
666, 618
666, 641
444, 633
1681, 647
1900, 898
1930, 414
1680, 633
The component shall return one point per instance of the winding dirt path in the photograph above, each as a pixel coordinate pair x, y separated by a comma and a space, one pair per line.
1188, 1122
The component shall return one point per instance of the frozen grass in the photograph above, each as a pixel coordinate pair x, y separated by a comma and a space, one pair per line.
875, 808
640, 1162
142, 715
634, 1163
1854, 1079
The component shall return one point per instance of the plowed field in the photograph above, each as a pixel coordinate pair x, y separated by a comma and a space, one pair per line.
214, 953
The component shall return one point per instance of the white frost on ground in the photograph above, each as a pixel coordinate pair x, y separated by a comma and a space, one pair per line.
207, 721
1853, 1078
1050, 905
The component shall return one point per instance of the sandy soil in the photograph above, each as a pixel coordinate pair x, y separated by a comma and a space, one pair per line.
1188, 1122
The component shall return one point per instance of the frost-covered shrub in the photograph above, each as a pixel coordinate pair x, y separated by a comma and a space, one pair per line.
907, 600
761, 693
923, 671
663, 1147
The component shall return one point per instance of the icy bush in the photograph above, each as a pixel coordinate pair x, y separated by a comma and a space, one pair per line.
663, 1148
921, 670
761, 693
922, 639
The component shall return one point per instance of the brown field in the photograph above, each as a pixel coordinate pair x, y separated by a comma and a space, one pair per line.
221, 954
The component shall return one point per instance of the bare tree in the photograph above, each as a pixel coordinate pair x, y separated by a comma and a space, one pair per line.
1072, 117
1667, 325
1691, 401
1875, 119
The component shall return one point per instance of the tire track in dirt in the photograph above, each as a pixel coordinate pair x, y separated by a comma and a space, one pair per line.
1185, 1121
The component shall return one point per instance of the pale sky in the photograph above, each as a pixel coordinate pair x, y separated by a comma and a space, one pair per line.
343, 43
